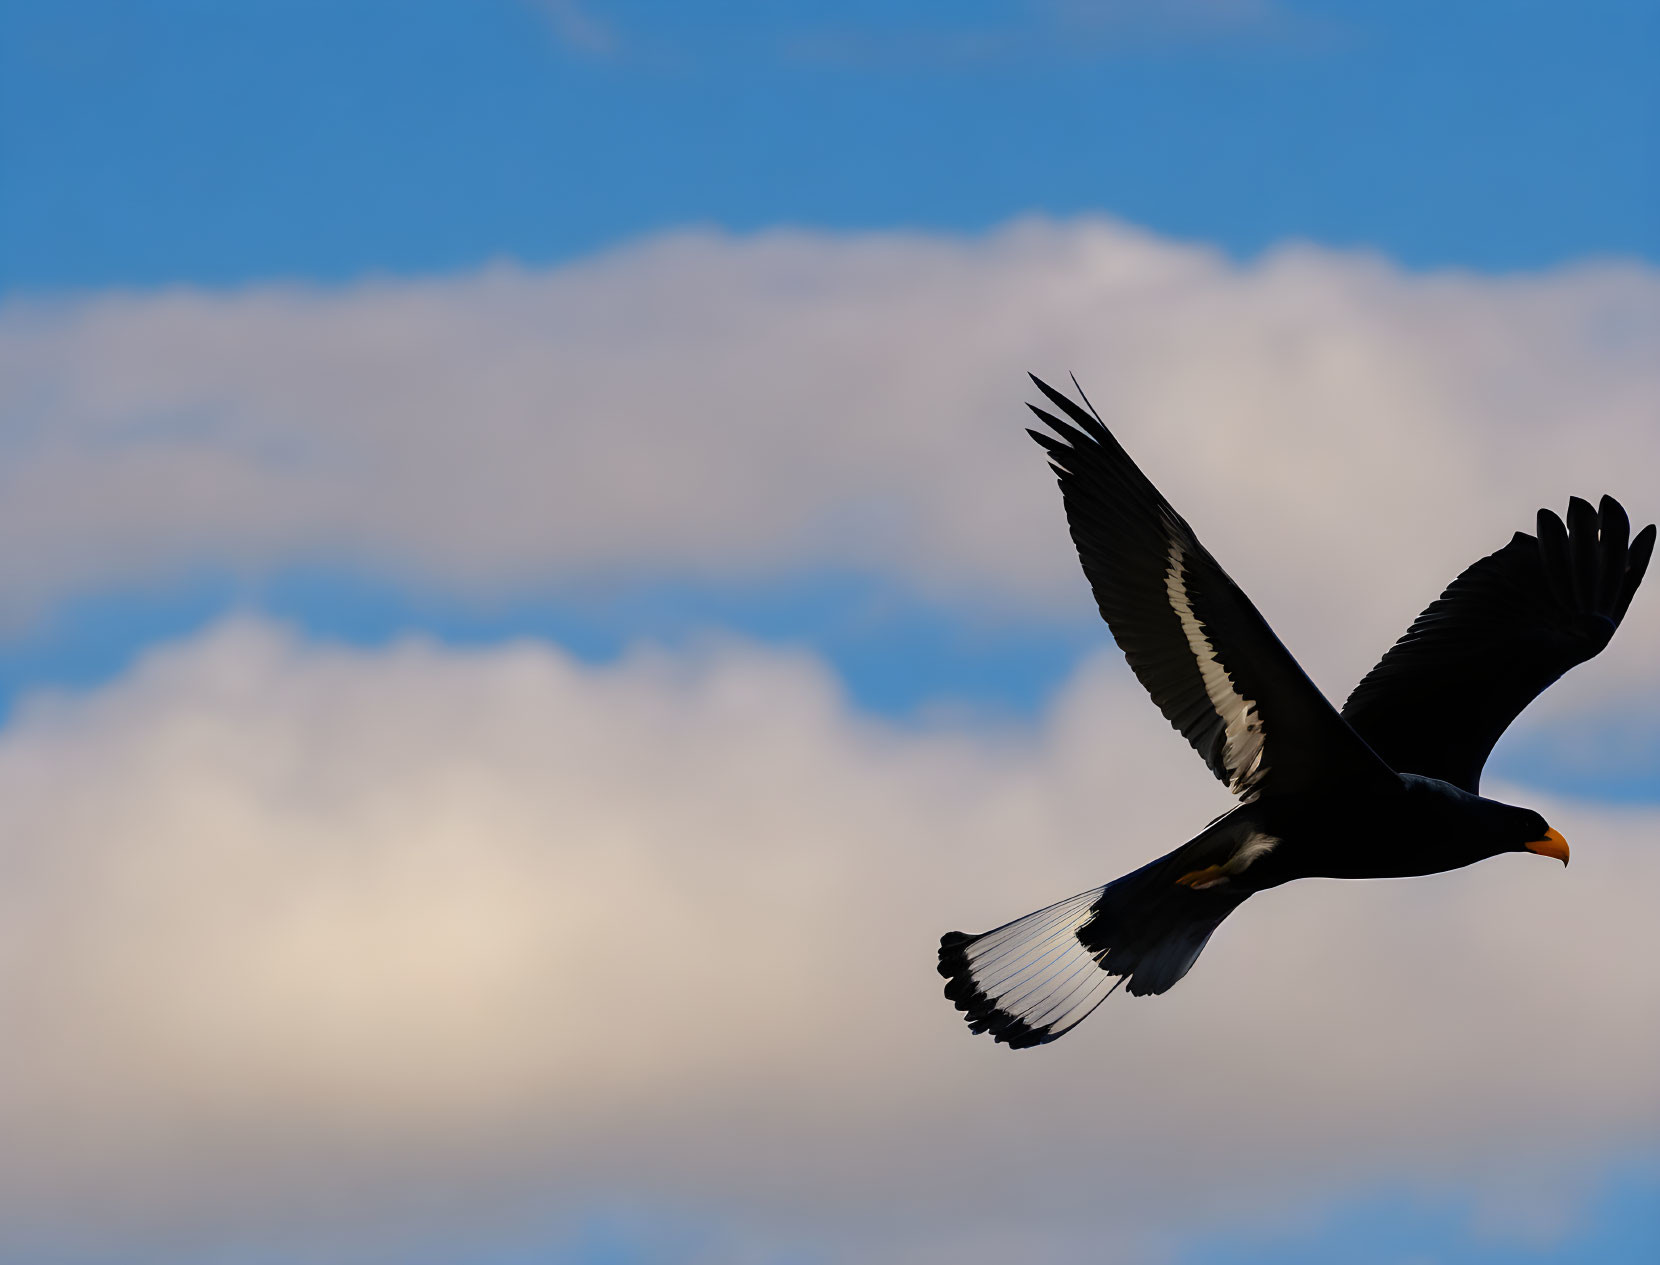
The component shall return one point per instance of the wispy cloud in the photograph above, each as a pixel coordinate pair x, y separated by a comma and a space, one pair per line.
575, 25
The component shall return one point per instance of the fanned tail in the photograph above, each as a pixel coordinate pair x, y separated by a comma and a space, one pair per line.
1038, 977
1031, 980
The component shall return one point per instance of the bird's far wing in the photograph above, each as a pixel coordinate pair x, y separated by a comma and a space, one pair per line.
1210, 661
1505, 629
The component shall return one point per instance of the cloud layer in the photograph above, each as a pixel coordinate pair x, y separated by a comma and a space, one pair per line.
307, 942
1344, 435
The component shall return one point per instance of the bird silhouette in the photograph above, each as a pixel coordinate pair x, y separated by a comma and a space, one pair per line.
1389, 787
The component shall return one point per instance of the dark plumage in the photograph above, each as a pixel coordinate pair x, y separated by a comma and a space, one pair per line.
1387, 789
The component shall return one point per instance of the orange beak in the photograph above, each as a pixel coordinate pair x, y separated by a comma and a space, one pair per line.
1552, 845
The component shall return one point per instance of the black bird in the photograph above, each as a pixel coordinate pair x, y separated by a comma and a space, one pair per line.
1387, 789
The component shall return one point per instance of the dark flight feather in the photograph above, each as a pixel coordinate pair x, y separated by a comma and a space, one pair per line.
1195, 641
1501, 632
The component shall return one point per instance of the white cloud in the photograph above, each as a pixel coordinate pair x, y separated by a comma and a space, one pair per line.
304, 942
1344, 435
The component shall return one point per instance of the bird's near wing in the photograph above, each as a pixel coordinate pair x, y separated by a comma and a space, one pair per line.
1210, 661
1503, 630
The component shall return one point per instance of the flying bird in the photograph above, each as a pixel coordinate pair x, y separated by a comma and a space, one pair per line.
1387, 788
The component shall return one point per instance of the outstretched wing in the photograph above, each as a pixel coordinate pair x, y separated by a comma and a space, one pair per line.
1503, 630
1210, 661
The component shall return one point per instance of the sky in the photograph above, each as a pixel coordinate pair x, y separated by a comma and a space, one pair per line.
526, 607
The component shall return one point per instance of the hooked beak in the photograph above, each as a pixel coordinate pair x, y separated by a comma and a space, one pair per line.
1552, 845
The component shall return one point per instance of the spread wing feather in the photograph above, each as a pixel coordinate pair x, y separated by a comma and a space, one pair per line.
1501, 632
1195, 641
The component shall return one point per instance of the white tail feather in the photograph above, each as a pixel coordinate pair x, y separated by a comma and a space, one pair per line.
1031, 980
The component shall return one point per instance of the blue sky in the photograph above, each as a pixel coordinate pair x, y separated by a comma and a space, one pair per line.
293, 156
153, 143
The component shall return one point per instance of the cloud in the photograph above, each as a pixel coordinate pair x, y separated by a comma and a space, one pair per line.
320, 947
1344, 435
576, 27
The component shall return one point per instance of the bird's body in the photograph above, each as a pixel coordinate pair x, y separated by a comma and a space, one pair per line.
1389, 788
1421, 826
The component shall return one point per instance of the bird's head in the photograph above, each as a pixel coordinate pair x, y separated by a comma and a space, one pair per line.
1549, 844
1516, 829
1470, 827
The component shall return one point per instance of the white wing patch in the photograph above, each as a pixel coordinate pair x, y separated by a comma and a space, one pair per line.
1242, 743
